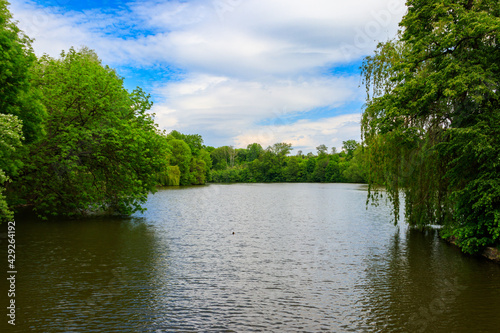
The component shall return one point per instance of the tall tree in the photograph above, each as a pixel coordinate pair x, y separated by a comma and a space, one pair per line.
322, 150
432, 123
101, 151
181, 157
10, 141
17, 96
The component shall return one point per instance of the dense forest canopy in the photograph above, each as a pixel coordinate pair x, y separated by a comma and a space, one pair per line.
432, 121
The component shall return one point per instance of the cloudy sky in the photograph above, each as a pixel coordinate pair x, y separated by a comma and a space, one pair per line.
234, 71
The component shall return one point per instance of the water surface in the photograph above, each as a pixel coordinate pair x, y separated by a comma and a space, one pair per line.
249, 257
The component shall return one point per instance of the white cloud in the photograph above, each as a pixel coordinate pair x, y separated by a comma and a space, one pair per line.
304, 134
238, 108
228, 37
246, 62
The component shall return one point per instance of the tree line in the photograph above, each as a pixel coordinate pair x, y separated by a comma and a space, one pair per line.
273, 164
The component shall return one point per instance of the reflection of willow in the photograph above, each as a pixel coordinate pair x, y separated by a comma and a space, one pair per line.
413, 287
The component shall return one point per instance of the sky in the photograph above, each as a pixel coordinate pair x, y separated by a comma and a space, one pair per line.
234, 71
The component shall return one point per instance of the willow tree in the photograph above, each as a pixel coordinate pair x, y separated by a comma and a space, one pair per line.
431, 122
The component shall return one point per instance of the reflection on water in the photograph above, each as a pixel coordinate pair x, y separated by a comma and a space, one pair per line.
303, 257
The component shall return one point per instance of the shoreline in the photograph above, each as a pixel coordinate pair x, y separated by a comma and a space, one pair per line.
490, 253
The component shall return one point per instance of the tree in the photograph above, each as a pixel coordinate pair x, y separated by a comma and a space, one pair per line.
101, 151
17, 96
431, 118
349, 147
223, 157
194, 141
280, 149
10, 141
322, 149
180, 156
356, 171
254, 151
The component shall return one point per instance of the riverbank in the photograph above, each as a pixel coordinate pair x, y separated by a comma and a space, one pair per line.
490, 253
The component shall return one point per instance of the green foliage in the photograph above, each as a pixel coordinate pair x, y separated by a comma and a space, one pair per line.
10, 141
273, 165
189, 155
171, 176
194, 141
101, 151
474, 174
349, 147
431, 95
223, 157
18, 97
355, 172
180, 157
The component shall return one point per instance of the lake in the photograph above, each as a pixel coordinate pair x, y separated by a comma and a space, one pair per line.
248, 257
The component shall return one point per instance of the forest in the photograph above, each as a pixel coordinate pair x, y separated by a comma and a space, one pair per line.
74, 141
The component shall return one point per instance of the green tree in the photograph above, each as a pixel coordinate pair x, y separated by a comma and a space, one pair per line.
101, 150
10, 141
181, 157
17, 95
431, 119
194, 141
332, 172
349, 147
356, 170
322, 150
254, 151
170, 176
223, 157
319, 173
295, 169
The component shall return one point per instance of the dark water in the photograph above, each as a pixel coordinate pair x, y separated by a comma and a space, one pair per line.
303, 258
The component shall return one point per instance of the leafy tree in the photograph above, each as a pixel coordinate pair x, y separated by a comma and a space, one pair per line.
171, 176
194, 141
356, 171
431, 119
322, 150
205, 157
254, 151
332, 172
17, 96
295, 169
101, 150
10, 140
310, 167
223, 157
180, 157
280, 149
319, 173
197, 172
349, 147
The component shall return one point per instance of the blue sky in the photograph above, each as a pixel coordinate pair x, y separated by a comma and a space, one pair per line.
234, 71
